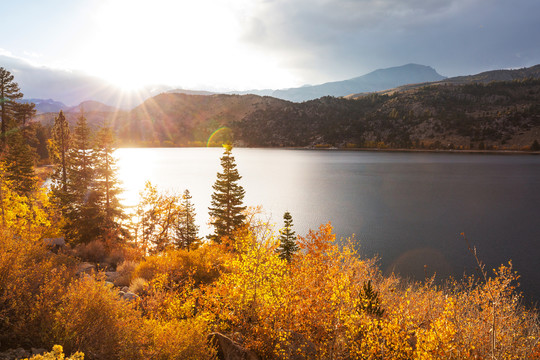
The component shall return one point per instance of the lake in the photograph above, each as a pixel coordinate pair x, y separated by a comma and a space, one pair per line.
407, 208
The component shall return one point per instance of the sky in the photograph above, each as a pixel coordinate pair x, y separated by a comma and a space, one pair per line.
267, 44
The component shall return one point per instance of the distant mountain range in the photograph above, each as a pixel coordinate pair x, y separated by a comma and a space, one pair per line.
377, 80
46, 105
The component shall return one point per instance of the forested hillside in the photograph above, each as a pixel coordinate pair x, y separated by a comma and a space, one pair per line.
497, 115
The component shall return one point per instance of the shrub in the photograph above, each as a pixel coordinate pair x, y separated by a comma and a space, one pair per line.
125, 271
138, 286
93, 319
57, 353
95, 251
31, 281
202, 265
179, 340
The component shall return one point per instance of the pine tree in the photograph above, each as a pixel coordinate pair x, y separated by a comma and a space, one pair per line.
226, 209
81, 172
23, 112
81, 212
9, 92
59, 146
186, 232
106, 186
19, 165
287, 239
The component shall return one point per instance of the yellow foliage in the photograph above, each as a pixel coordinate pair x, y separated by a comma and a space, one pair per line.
57, 353
203, 265
320, 301
93, 319
31, 281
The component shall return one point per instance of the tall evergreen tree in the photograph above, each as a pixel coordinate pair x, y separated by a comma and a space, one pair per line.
186, 232
287, 239
81, 172
82, 213
19, 165
59, 146
106, 184
9, 92
226, 210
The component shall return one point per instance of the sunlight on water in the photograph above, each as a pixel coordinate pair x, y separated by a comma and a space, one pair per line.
407, 207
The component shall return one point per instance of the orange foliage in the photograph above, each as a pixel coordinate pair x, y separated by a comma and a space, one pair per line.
330, 304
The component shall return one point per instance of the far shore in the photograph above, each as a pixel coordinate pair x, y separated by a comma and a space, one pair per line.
331, 148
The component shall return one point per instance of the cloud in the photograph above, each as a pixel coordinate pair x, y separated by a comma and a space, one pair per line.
345, 38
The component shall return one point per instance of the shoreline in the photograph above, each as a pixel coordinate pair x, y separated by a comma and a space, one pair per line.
444, 151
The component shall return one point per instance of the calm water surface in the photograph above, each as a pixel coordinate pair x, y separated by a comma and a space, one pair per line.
407, 208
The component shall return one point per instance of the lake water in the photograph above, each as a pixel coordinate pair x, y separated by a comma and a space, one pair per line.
409, 208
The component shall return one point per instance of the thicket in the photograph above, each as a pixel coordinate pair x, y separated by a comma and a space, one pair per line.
326, 302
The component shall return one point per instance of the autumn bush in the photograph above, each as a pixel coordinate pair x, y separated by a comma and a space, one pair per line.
94, 251
93, 319
125, 273
31, 281
57, 353
202, 265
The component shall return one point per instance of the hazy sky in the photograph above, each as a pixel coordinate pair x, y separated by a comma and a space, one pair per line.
246, 44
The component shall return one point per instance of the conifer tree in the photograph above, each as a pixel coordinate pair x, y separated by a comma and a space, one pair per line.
59, 146
186, 232
106, 186
19, 165
287, 239
9, 92
23, 112
82, 215
227, 208
81, 174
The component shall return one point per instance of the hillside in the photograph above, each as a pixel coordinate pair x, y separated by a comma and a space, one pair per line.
503, 115
92, 106
180, 119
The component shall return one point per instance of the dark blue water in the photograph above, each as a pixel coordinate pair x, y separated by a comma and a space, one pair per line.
407, 208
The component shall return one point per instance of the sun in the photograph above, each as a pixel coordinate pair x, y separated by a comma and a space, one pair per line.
189, 44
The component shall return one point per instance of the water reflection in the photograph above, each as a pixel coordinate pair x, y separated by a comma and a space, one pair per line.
407, 207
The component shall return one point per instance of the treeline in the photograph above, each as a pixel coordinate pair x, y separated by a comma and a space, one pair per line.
471, 116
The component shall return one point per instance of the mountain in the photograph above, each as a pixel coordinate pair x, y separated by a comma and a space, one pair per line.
180, 119
92, 106
46, 105
532, 72
191, 92
377, 80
